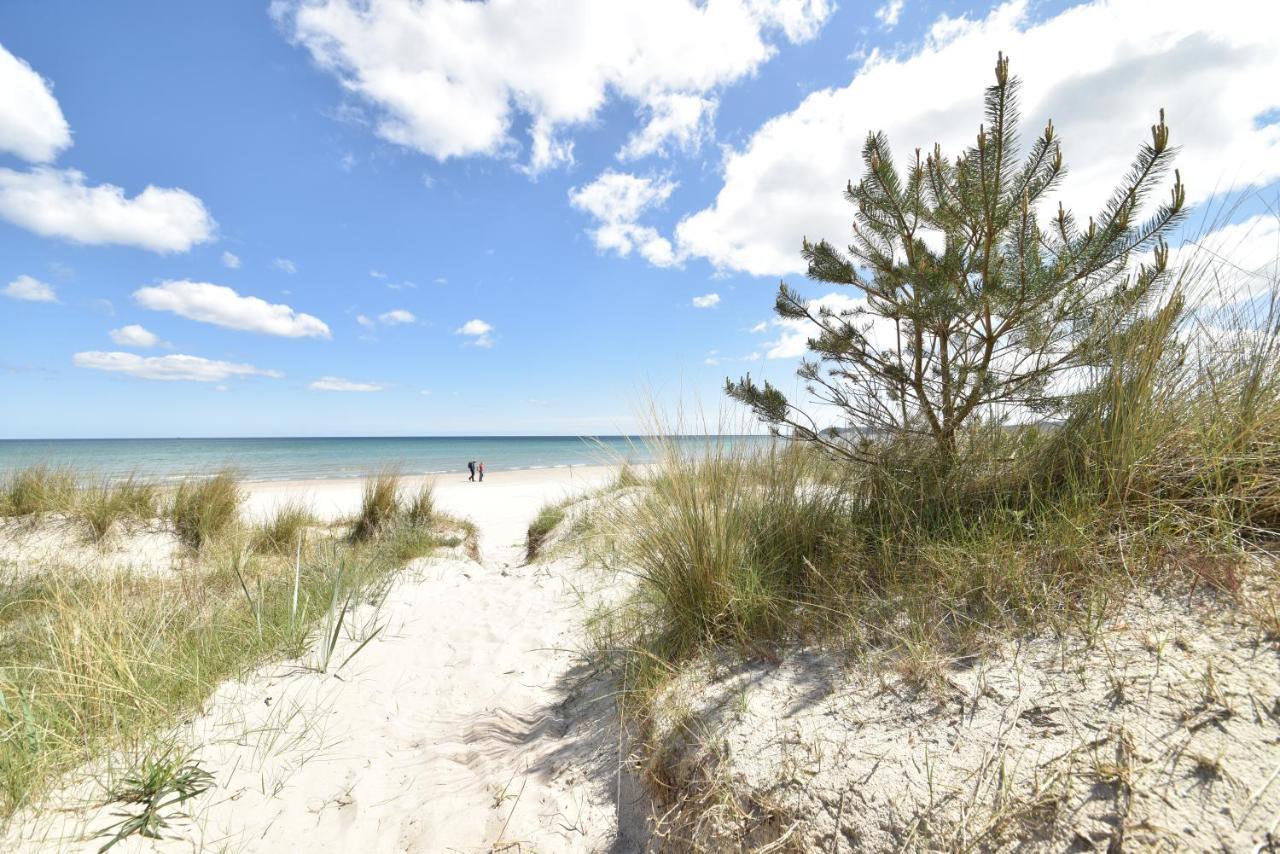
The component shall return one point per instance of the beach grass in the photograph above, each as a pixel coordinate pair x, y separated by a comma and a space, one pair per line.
542, 525
106, 663
379, 505
37, 490
203, 509
281, 531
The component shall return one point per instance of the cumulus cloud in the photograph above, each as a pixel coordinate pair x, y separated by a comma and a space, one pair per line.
230, 260
222, 306
134, 335
429, 71
889, 13
478, 331
339, 384
31, 122
30, 289
172, 367
1100, 70
397, 316
285, 266
617, 200
676, 120
706, 301
58, 203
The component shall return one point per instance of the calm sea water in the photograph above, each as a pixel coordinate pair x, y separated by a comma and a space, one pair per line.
296, 459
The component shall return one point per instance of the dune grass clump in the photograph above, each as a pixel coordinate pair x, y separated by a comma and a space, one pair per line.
36, 490
421, 508
542, 525
379, 506
283, 529
201, 510
105, 504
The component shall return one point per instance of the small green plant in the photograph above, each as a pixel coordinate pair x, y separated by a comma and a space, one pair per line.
379, 505
203, 509
149, 795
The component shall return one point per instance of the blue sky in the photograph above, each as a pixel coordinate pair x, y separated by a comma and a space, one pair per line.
437, 218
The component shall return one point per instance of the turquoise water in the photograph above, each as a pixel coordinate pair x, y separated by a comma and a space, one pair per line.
296, 459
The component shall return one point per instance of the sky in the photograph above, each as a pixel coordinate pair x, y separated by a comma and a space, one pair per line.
441, 217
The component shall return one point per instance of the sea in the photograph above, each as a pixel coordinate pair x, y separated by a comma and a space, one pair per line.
316, 458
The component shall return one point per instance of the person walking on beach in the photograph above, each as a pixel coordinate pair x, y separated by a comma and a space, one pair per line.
482, 471
472, 466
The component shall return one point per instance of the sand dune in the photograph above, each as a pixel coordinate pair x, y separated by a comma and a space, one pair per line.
463, 726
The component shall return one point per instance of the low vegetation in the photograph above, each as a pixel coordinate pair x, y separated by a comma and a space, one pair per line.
542, 525
1032, 426
94, 662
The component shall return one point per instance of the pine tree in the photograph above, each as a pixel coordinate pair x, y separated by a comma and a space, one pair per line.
973, 309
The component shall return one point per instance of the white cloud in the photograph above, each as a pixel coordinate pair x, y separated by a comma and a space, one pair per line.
58, 203
677, 120
31, 122
134, 335
450, 79
339, 384
617, 200
706, 301
222, 306
173, 367
285, 265
30, 289
231, 261
478, 331
761, 326
377, 274
364, 321
397, 316
1100, 70
889, 13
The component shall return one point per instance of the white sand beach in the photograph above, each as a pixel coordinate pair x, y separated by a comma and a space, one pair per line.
463, 726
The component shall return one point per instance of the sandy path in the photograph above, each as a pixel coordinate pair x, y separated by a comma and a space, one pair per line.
462, 727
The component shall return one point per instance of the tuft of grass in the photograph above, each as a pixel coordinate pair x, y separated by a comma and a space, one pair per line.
36, 490
542, 525
151, 794
281, 532
421, 509
105, 504
201, 510
379, 505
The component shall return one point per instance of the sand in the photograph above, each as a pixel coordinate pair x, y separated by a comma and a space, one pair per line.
465, 725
